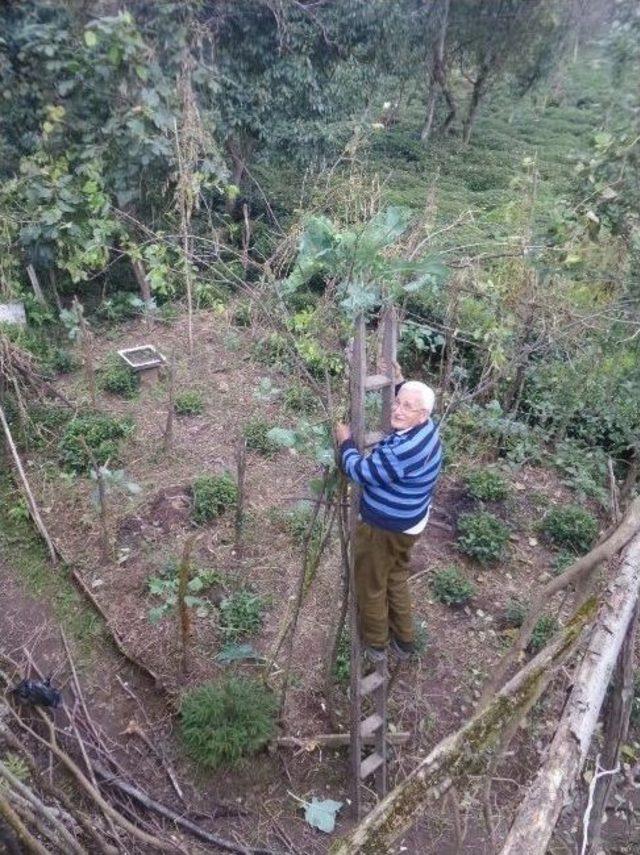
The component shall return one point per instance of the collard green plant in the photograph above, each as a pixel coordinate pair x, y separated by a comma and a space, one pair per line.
165, 588
226, 721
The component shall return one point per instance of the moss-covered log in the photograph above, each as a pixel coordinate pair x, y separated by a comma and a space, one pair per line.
466, 752
538, 813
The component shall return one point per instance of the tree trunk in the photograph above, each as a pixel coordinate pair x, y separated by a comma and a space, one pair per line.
141, 279
538, 813
479, 89
465, 753
438, 75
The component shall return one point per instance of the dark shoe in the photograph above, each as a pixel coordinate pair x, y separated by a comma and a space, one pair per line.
402, 650
375, 654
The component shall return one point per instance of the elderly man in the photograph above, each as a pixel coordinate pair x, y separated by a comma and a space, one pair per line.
397, 479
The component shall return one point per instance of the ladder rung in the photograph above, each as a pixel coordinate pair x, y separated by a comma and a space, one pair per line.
370, 683
370, 764
372, 437
369, 725
376, 381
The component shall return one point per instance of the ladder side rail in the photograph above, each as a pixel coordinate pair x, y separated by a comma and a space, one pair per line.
357, 378
389, 354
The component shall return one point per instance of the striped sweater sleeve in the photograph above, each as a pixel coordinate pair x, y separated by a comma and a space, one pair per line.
380, 468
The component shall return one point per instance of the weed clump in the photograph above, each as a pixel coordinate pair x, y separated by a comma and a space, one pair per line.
482, 536
101, 433
451, 587
240, 614
188, 403
119, 379
299, 399
212, 494
570, 527
545, 628
224, 722
514, 613
256, 434
486, 485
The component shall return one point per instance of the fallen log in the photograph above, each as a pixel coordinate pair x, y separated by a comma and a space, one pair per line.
539, 811
466, 753
336, 740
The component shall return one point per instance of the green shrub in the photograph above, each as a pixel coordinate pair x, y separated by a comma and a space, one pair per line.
451, 586
570, 527
188, 403
240, 614
255, 433
300, 399
514, 613
212, 494
272, 350
482, 535
102, 434
241, 315
119, 379
561, 561
487, 485
225, 721
297, 522
542, 632
61, 361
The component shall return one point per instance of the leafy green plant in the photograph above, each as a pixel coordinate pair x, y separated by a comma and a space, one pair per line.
562, 560
102, 434
241, 315
451, 586
487, 485
119, 379
212, 494
188, 403
342, 665
300, 399
165, 587
61, 361
223, 722
272, 350
297, 522
571, 527
482, 535
256, 433
240, 614
544, 629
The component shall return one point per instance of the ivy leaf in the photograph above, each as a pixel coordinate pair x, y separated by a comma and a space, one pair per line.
321, 814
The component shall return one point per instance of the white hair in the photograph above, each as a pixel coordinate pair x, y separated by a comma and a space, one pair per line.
425, 393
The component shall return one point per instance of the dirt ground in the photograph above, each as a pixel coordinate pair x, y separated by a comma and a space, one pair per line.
430, 698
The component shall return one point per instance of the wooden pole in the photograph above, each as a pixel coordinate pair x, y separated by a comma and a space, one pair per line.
33, 507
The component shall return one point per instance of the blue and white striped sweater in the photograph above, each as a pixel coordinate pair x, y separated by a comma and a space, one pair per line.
398, 477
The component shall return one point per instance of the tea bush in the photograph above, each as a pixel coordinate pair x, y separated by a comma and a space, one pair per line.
255, 433
487, 485
240, 614
188, 403
102, 434
482, 535
223, 722
119, 379
570, 527
451, 586
212, 494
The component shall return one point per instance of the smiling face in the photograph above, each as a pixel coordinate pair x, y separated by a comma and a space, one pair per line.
408, 410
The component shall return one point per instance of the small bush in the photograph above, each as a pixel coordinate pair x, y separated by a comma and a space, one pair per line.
212, 494
188, 403
487, 485
240, 614
561, 561
514, 613
225, 721
451, 587
570, 527
543, 630
272, 350
101, 433
119, 379
61, 361
241, 315
300, 399
482, 535
255, 433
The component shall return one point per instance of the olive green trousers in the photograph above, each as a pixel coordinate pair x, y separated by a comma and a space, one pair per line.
382, 584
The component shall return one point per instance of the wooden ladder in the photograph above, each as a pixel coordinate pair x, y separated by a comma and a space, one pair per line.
373, 685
